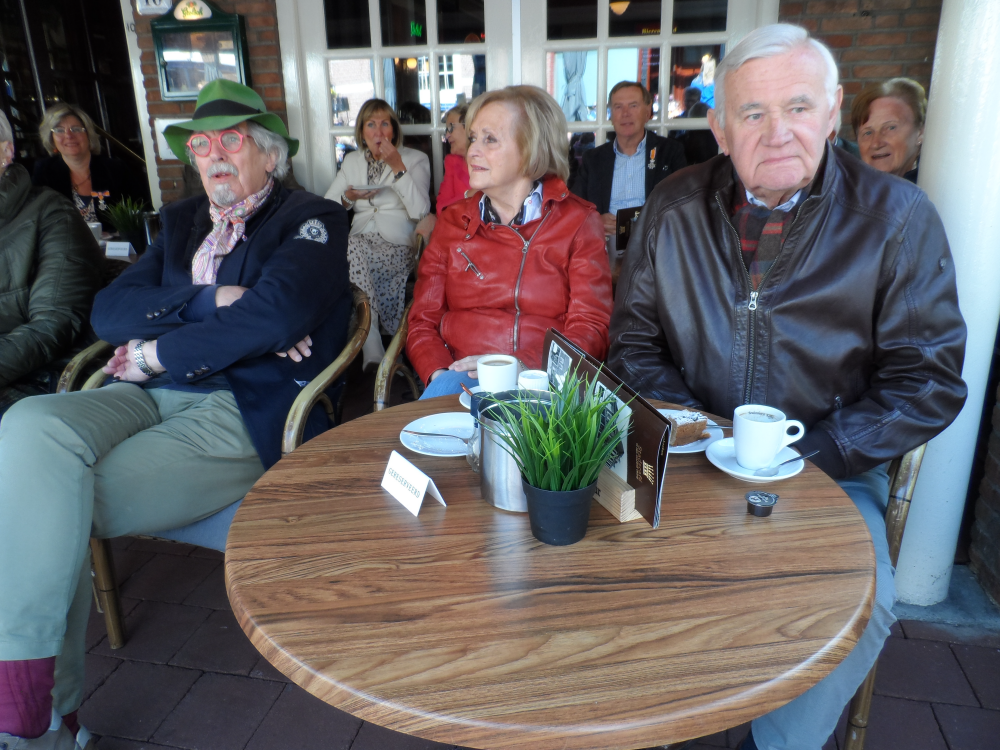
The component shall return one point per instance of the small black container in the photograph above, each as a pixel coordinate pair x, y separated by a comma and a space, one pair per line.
558, 518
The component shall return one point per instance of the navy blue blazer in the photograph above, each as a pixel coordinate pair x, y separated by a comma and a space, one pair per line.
597, 172
293, 261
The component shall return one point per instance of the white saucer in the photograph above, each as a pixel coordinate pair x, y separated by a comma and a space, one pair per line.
448, 423
723, 455
465, 399
714, 433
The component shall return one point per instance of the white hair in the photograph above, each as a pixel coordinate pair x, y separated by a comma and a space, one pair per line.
271, 144
771, 41
6, 134
268, 142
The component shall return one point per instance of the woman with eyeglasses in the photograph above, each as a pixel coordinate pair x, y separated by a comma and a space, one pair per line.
456, 172
387, 186
76, 167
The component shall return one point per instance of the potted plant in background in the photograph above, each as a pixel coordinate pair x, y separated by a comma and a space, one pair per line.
560, 446
127, 217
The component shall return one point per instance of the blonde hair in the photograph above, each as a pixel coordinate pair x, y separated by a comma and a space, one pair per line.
56, 113
906, 89
539, 129
368, 110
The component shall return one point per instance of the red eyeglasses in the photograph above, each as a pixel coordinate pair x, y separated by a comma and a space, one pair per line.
230, 140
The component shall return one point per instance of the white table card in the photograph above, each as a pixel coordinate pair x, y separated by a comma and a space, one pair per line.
119, 250
408, 484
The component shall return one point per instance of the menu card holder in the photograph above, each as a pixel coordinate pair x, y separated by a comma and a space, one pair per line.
640, 466
624, 220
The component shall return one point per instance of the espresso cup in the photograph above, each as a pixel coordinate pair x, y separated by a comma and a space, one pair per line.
533, 380
497, 372
760, 432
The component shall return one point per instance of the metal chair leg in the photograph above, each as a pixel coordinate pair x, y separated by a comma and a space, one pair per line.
857, 714
107, 590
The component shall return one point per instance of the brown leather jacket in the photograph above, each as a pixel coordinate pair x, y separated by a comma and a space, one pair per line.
856, 331
486, 288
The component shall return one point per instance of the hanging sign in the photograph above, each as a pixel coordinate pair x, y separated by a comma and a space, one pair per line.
192, 10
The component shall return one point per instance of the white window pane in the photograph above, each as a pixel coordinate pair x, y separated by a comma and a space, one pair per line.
461, 78
350, 86
571, 78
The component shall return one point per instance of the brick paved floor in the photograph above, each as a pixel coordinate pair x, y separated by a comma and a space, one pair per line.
189, 678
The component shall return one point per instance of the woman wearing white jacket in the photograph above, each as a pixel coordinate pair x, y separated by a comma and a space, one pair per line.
379, 247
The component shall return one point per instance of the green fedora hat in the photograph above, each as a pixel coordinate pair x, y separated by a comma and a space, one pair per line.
223, 104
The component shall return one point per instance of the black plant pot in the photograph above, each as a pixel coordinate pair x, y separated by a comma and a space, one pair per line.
138, 239
558, 518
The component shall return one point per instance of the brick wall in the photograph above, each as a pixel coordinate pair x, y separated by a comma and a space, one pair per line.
265, 72
984, 553
872, 40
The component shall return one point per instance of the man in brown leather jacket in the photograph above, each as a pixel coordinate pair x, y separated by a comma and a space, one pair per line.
785, 274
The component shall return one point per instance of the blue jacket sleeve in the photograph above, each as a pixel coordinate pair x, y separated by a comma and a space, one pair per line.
299, 284
137, 304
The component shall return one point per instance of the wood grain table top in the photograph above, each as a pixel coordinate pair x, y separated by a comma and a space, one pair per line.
458, 626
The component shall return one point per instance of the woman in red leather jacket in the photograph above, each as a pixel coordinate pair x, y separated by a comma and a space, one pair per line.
520, 256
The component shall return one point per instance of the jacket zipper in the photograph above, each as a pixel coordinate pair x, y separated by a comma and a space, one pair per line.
752, 304
517, 287
471, 266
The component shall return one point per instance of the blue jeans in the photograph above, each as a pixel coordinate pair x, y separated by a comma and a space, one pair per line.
808, 721
448, 383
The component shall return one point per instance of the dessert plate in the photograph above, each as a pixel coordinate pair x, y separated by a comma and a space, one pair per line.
722, 454
465, 399
714, 433
448, 423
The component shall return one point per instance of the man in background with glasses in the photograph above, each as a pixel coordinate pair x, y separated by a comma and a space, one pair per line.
240, 302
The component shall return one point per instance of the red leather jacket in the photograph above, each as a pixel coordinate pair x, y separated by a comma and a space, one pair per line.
489, 288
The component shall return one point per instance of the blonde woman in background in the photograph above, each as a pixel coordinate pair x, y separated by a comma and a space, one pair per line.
76, 167
379, 247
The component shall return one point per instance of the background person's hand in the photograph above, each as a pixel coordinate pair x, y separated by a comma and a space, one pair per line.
358, 195
227, 295
610, 224
390, 155
299, 351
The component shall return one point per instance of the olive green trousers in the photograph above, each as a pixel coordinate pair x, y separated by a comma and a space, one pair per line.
109, 462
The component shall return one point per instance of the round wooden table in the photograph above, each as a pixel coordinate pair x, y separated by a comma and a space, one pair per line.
458, 626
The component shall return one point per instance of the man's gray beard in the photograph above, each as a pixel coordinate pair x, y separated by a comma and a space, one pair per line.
223, 195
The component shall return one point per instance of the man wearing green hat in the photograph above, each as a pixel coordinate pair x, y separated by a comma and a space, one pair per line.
241, 301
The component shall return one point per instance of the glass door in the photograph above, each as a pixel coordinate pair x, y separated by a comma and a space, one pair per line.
422, 56
577, 50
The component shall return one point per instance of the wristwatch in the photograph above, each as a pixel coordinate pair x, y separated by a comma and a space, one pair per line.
399, 174
140, 361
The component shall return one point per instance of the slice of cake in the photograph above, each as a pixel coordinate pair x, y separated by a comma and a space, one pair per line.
686, 427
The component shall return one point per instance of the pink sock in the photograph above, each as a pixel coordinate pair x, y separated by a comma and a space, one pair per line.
26, 696
72, 722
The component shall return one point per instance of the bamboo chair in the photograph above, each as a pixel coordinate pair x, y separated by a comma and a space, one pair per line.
903, 477
208, 532
393, 363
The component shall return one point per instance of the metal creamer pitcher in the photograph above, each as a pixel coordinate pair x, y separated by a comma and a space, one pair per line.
499, 477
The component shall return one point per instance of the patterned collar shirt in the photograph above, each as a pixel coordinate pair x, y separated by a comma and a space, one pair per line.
628, 189
531, 209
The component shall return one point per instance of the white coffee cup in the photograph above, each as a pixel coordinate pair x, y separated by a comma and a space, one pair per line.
533, 380
497, 372
96, 228
760, 432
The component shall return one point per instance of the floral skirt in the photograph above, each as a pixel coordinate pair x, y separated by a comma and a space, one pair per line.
380, 270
